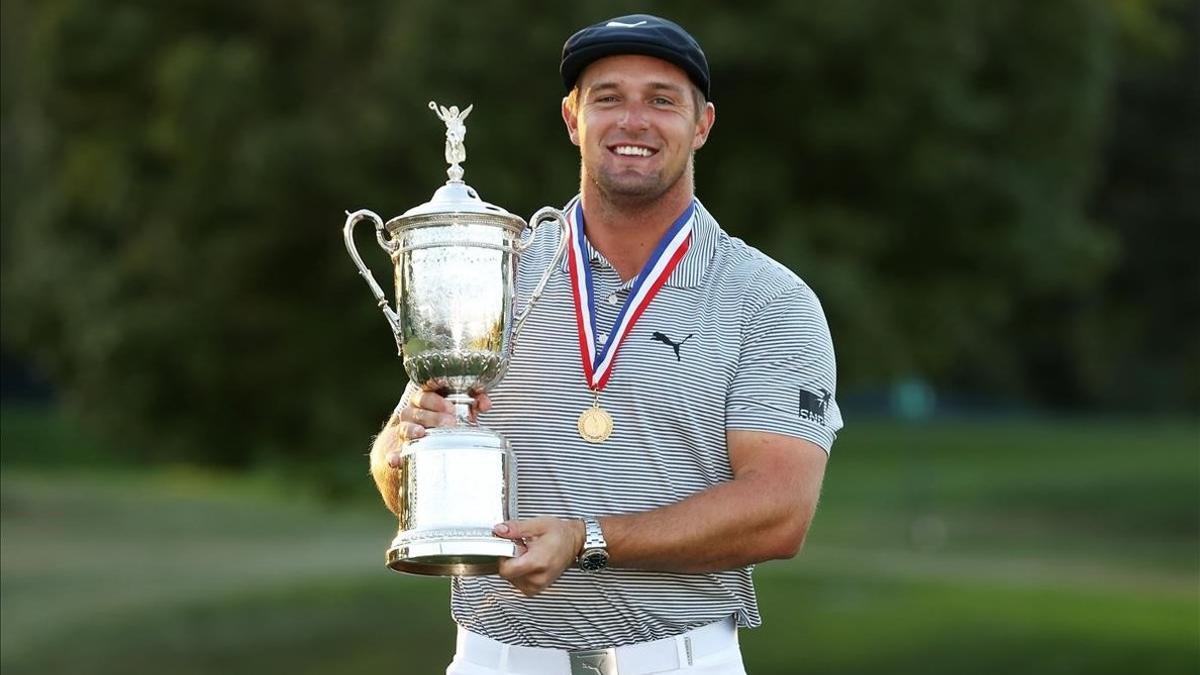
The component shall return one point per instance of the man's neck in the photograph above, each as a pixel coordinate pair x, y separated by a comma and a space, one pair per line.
626, 235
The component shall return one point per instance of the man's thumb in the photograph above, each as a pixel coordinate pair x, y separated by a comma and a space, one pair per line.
508, 530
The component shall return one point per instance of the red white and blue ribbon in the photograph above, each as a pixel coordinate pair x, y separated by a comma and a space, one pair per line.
598, 364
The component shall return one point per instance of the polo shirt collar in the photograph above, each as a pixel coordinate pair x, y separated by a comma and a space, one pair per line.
690, 271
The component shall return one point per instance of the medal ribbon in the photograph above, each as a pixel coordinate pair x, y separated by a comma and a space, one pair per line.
598, 365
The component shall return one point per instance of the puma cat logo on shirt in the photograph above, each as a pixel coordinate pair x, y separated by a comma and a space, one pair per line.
661, 337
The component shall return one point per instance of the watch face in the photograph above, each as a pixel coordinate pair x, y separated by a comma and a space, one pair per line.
593, 560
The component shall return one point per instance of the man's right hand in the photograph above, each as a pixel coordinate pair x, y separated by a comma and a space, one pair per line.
422, 410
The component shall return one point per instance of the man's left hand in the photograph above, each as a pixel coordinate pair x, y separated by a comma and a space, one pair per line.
546, 547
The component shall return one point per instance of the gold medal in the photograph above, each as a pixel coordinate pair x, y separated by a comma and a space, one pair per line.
595, 424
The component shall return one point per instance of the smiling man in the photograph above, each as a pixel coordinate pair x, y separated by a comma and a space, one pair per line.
661, 404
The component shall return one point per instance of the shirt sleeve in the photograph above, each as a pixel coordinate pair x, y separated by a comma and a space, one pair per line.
786, 377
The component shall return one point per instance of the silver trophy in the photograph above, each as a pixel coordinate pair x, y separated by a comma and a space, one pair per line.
455, 262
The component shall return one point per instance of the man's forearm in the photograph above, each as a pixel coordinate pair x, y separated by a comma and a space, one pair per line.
387, 479
763, 514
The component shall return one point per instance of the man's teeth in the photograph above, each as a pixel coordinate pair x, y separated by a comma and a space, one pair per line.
632, 150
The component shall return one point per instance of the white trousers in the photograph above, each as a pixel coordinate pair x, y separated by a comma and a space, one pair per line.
710, 650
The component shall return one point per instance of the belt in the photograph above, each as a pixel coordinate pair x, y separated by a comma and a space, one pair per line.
636, 659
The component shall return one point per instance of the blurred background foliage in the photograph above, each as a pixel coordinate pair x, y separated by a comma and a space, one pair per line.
998, 198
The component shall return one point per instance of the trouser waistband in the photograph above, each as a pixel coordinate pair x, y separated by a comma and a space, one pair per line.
670, 653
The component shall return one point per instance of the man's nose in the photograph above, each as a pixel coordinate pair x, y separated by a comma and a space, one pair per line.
633, 116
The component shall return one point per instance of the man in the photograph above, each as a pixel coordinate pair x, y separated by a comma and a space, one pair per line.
649, 483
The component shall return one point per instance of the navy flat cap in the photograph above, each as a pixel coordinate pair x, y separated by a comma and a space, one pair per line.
635, 34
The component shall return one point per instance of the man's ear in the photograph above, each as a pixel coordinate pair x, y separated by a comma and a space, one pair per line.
571, 120
708, 117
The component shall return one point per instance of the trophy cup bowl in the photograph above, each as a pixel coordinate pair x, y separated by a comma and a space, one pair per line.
454, 260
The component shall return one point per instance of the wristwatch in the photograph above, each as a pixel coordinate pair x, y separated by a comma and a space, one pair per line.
594, 556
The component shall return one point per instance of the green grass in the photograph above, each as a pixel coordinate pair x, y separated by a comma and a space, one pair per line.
32, 435
955, 548
851, 624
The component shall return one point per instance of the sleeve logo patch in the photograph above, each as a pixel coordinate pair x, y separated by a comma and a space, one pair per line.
813, 406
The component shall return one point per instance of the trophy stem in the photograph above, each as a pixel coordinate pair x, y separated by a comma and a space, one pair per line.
462, 408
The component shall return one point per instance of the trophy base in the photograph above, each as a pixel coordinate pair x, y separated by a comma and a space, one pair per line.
457, 484
453, 558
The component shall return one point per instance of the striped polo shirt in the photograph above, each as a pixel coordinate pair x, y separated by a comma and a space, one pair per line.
733, 340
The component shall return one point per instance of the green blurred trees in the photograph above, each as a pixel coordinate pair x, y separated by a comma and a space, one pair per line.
174, 178
925, 169
1136, 337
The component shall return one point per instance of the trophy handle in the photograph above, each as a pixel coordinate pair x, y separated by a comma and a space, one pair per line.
544, 214
353, 219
